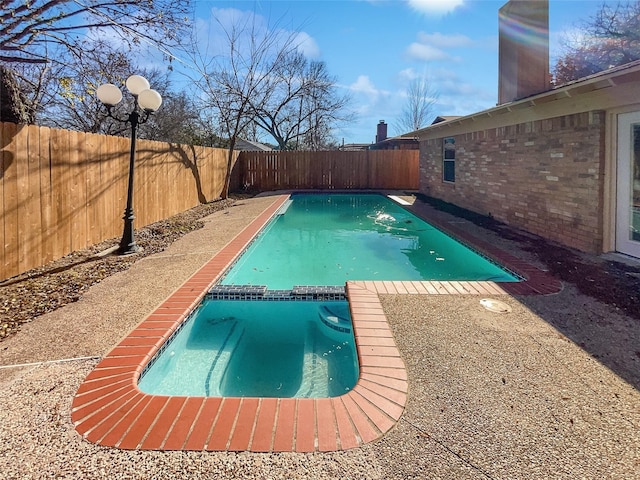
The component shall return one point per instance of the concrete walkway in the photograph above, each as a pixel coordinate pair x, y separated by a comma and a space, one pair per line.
549, 390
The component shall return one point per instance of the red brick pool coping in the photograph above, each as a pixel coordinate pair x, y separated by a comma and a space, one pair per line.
110, 410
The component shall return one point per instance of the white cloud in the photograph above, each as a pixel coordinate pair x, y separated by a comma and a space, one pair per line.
432, 46
211, 32
421, 51
369, 100
232, 17
455, 95
435, 7
364, 85
440, 40
407, 75
462, 98
307, 45
445, 74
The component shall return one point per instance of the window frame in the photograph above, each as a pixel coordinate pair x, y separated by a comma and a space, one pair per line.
449, 160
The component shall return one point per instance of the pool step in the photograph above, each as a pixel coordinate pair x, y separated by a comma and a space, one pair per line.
336, 318
309, 388
224, 351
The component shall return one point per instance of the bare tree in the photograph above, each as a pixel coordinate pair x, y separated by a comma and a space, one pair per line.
30, 29
205, 130
418, 109
303, 105
48, 32
176, 121
72, 100
608, 39
233, 84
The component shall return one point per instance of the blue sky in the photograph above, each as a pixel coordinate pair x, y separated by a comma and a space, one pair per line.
375, 47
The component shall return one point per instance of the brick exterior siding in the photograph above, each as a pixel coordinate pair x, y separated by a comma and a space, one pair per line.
543, 176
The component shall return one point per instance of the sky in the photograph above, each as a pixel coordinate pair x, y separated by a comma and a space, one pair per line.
374, 48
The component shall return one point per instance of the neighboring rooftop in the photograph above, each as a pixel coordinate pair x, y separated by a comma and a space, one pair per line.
250, 146
444, 118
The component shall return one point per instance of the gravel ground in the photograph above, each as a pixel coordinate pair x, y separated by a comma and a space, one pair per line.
550, 390
42, 290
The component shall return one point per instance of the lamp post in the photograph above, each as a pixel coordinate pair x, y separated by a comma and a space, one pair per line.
149, 101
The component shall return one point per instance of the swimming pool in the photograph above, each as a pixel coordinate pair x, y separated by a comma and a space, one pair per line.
266, 337
263, 334
248, 348
329, 239
110, 410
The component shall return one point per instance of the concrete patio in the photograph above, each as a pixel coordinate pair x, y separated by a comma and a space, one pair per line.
548, 390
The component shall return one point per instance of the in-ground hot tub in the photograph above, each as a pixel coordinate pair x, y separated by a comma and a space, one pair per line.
289, 347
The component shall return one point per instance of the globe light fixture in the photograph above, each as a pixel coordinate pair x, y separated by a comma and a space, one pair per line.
109, 94
148, 101
136, 84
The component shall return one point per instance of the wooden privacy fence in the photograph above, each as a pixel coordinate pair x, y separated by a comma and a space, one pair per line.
367, 169
61, 191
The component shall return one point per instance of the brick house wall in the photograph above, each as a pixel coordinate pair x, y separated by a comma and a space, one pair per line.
544, 176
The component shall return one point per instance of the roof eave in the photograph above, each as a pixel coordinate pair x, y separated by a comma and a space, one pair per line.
629, 72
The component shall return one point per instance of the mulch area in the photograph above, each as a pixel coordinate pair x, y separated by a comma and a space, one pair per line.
42, 290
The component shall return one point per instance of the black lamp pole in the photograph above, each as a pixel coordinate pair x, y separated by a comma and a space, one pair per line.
128, 243
149, 100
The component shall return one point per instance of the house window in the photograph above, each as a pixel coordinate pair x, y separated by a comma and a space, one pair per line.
449, 159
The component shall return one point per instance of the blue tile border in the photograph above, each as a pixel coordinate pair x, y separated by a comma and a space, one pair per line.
261, 293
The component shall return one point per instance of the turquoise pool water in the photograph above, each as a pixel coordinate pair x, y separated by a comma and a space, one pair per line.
247, 348
329, 239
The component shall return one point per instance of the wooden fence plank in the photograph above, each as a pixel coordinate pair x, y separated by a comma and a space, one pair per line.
61, 241
32, 237
48, 225
93, 188
368, 169
109, 174
10, 212
141, 185
155, 185
173, 169
21, 142
78, 193
4, 164
163, 180
120, 148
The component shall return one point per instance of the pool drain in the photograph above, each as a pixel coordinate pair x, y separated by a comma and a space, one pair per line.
495, 305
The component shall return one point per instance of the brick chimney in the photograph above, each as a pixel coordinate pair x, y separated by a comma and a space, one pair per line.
381, 132
523, 49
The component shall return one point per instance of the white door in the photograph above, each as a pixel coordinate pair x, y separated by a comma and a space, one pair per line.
628, 185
